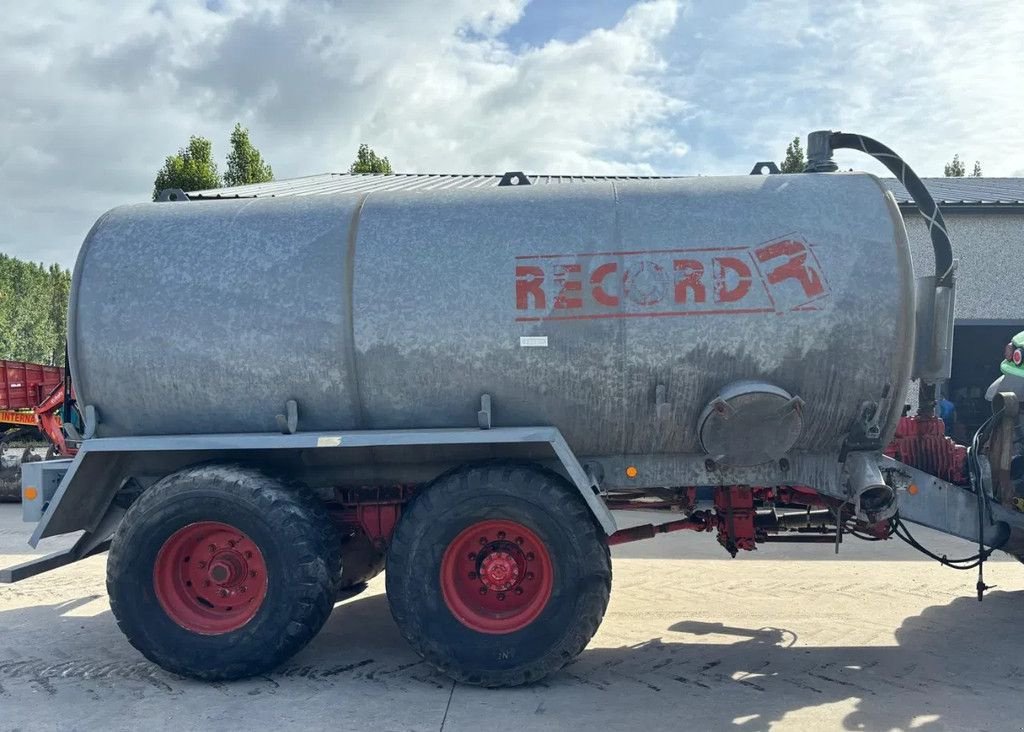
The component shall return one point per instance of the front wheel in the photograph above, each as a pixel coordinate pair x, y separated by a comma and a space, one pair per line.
221, 572
497, 574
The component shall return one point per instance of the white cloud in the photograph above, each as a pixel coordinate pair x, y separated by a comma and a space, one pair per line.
929, 80
98, 96
93, 98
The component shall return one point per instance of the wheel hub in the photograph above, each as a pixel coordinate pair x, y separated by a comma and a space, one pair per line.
499, 571
496, 576
210, 578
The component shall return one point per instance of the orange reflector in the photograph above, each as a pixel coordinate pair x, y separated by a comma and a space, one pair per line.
912, 489
631, 471
30, 493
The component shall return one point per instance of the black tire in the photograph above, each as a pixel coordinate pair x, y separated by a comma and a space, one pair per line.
10, 477
10, 486
299, 545
543, 503
361, 561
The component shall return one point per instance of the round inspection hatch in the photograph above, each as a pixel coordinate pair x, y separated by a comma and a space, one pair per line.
750, 423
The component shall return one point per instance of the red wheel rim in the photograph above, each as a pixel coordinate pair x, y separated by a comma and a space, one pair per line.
210, 578
496, 576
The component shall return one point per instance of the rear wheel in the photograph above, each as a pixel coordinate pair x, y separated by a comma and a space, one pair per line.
221, 572
498, 575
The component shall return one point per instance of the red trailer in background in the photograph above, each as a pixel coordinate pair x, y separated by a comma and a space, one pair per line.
33, 396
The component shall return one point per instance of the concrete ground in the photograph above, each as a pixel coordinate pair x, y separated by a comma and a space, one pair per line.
789, 637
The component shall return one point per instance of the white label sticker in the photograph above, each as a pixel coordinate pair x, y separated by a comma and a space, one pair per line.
533, 341
334, 441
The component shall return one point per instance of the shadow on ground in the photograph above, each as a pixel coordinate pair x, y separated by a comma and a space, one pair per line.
955, 665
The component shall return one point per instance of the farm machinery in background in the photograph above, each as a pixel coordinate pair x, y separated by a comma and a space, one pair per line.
35, 399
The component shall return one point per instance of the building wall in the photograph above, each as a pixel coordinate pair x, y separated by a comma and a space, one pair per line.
990, 275
990, 248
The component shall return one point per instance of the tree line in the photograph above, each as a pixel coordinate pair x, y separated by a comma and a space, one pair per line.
193, 168
33, 311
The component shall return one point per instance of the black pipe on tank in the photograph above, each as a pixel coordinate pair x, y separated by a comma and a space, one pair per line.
819, 160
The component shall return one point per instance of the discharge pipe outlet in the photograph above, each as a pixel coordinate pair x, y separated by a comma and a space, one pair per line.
872, 498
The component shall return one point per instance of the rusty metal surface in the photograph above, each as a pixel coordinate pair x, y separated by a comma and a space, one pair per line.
635, 303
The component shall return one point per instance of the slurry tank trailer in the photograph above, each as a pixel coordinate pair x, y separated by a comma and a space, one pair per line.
281, 396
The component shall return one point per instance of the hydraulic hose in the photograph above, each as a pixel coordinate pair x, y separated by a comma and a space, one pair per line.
819, 149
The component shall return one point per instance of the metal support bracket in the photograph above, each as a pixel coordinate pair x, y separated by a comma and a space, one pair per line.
514, 178
171, 194
483, 417
759, 168
662, 407
88, 544
288, 422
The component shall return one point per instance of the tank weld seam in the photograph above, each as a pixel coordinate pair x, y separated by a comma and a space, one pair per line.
349, 285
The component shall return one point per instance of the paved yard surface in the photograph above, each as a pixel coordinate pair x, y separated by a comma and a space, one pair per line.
786, 638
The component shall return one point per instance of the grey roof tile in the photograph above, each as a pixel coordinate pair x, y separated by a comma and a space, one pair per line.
994, 192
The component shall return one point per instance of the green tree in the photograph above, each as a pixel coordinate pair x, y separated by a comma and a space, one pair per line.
59, 283
245, 164
367, 162
794, 162
955, 168
976, 173
192, 169
33, 307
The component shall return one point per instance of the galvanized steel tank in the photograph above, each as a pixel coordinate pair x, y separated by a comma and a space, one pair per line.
616, 311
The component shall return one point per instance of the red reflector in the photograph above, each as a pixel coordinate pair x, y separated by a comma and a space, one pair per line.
1018, 356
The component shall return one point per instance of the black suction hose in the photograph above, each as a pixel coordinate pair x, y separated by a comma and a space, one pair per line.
819, 147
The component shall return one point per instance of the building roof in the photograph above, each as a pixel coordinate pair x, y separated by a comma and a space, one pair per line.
987, 193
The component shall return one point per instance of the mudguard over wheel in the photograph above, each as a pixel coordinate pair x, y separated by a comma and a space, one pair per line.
221, 572
498, 574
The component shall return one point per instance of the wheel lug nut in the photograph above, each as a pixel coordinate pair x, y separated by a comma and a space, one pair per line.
471, 556
244, 588
501, 534
529, 556
501, 595
519, 540
252, 573
248, 555
529, 575
519, 590
212, 548
483, 540
223, 593
202, 565
483, 590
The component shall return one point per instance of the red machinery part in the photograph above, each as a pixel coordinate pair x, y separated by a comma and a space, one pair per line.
921, 442
496, 576
735, 508
32, 394
24, 385
210, 578
47, 415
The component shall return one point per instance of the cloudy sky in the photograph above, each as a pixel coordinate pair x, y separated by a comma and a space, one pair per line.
94, 95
